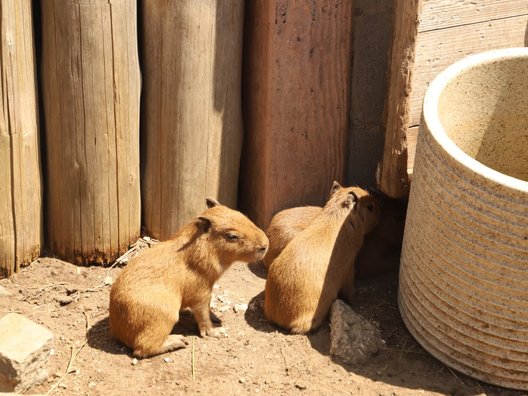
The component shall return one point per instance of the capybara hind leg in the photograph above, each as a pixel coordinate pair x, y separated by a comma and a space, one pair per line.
301, 326
172, 343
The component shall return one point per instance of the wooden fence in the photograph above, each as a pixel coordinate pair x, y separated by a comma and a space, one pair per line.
20, 174
190, 53
146, 107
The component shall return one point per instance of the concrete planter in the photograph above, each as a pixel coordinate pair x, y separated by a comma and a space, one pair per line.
464, 274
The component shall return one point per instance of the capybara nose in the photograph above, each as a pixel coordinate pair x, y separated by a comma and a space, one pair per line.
263, 248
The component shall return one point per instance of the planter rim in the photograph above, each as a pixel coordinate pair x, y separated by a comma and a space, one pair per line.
432, 119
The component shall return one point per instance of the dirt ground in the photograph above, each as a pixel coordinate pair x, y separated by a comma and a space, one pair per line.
255, 357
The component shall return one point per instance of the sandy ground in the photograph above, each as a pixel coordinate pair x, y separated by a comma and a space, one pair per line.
255, 357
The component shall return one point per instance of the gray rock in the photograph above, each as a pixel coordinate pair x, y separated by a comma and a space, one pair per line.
24, 350
353, 339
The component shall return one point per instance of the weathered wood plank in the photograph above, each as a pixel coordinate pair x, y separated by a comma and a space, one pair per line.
393, 176
91, 88
441, 14
447, 32
435, 50
297, 80
20, 174
191, 114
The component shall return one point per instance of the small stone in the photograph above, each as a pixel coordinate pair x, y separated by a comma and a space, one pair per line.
134, 361
64, 300
353, 339
220, 332
4, 292
63, 386
167, 360
240, 308
24, 350
70, 290
108, 280
301, 385
242, 380
92, 385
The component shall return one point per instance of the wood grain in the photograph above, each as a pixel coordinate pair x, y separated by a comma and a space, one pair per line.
393, 177
435, 50
442, 14
296, 95
191, 114
20, 175
91, 88
447, 32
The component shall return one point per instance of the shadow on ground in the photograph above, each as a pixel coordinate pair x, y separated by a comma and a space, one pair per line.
402, 362
99, 334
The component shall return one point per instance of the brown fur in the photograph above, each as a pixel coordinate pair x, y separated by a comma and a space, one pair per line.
285, 225
306, 277
381, 249
146, 298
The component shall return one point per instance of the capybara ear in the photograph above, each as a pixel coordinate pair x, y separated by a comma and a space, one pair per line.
351, 200
203, 223
211, 202
335, 187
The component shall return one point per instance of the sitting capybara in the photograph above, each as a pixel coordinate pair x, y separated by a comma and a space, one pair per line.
305, 278
381, 249
146, 298
285, 225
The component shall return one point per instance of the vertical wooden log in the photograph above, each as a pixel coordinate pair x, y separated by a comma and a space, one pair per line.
91, 88
393, 176
296, 96
191, 115
20, 174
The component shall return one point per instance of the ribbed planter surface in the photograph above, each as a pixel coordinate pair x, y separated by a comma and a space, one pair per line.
464, 274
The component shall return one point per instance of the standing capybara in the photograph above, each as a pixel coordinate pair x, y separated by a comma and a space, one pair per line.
305, 278
146, 298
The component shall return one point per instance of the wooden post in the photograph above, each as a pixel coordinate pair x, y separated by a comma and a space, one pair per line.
91, 88
296, 96
20, 175
191, 115
393, 176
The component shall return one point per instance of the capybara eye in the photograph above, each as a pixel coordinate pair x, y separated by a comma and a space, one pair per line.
370, 207
231, 237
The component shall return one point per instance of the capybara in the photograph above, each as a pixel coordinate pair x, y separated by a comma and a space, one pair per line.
146, 298
381, 249
305, 278
285, 225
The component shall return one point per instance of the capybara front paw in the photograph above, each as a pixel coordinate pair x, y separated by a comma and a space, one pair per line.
216, 332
